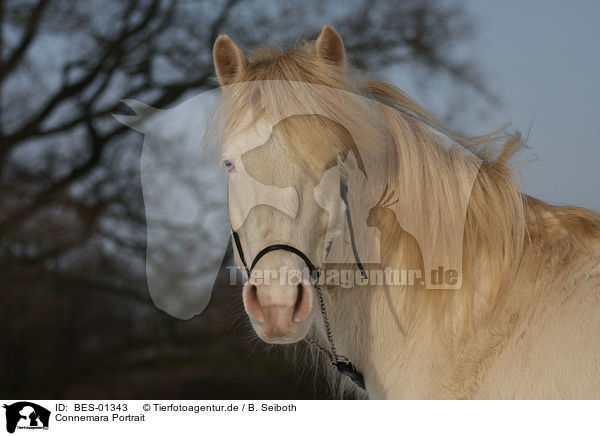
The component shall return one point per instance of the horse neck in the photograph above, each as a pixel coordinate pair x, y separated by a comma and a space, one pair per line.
383, 328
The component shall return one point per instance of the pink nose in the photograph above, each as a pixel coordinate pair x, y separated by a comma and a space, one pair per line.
280, 309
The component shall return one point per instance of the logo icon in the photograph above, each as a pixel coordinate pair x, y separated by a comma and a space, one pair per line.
26, 415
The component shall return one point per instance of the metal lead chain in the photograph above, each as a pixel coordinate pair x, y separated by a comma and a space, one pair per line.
333, 352
343, 365
321, 348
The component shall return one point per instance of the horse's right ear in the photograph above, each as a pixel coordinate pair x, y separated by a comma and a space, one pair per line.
229, 60
329, 46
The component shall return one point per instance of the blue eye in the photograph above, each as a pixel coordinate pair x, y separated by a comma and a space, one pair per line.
228, 165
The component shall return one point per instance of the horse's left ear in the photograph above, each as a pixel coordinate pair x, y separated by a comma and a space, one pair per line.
330, 46
229, 60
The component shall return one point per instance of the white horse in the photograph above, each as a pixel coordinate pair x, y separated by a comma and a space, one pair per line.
524, 322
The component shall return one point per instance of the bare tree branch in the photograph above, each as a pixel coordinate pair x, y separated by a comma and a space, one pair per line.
31, 29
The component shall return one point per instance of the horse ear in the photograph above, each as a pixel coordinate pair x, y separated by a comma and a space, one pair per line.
330, 46
229, 60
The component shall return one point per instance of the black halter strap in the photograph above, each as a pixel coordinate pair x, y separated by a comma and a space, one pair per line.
344, 195
314, 271
240, 252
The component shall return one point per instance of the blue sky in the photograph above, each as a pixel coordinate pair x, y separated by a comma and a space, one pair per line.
543, 60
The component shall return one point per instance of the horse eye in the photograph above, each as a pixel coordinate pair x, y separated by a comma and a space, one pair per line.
228, 165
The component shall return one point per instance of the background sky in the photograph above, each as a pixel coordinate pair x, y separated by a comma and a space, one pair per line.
542, 59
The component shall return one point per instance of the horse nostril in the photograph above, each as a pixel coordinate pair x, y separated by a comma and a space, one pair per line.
303, 304
252, 303
300, 288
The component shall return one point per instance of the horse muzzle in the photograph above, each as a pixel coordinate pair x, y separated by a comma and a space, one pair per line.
280, 313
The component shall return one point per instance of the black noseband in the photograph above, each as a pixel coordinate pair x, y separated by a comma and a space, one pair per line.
314, 271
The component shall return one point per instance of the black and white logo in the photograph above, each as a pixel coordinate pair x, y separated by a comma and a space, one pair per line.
26, 415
